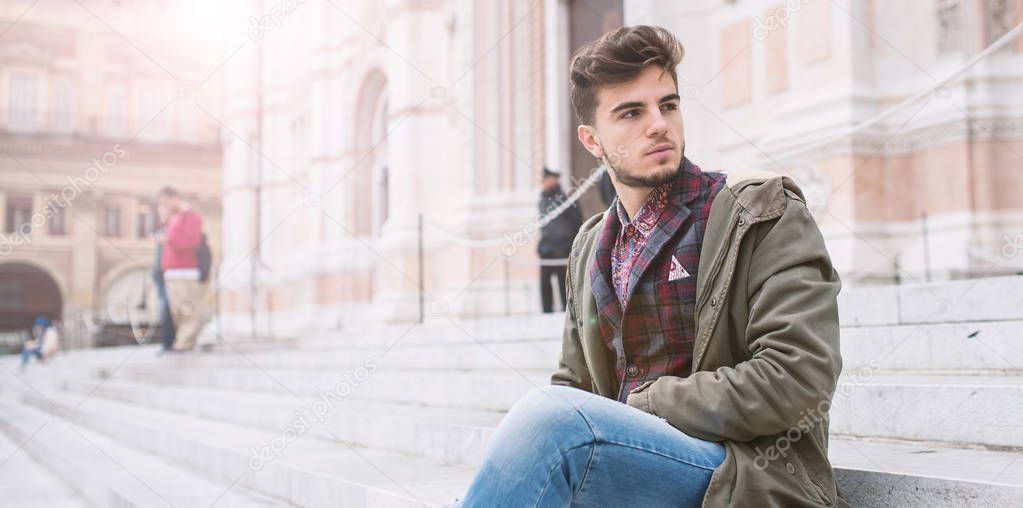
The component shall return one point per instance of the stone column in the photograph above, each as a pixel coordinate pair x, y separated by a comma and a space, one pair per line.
81, 296
419, 154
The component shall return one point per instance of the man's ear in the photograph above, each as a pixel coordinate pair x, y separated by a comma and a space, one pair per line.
588, 137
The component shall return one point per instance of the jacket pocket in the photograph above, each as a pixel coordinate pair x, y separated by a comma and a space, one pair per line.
811, 484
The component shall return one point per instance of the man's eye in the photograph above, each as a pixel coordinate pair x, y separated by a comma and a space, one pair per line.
671, 106
632, 113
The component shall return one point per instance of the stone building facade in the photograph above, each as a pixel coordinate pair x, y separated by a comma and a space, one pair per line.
100, 105
364, 134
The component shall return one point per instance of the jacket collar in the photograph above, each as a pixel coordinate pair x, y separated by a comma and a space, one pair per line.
761, 194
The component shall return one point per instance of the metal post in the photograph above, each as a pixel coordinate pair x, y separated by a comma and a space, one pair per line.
258, 197
216, 304
421, 289
507, 289
927, 248
898, 272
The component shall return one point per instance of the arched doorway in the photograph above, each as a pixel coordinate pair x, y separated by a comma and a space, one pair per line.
381, 190
370, 189
26, 292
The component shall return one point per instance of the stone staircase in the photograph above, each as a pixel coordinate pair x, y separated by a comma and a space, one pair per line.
929, 411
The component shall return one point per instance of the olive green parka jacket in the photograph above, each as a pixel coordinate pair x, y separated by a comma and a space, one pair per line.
766, 354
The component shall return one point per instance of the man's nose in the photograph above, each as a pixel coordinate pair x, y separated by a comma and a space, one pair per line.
658, 126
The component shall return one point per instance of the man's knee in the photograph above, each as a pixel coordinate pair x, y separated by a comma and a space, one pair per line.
545, 421
552, 409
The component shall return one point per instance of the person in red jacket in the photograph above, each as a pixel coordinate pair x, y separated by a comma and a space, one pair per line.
180, 265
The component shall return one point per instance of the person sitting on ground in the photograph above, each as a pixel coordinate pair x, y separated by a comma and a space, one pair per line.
43, 343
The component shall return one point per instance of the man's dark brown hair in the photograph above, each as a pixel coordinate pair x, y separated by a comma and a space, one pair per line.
617, 57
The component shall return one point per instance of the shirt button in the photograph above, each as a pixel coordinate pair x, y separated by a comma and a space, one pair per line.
632, 370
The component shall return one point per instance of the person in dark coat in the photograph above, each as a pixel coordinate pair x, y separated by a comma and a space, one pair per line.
555, 238
607, 190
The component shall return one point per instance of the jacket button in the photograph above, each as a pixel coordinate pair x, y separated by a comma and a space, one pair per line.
632, 370
713, 301
742, 222
790, 468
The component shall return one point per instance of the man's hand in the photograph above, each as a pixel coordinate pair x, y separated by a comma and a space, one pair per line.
639, 398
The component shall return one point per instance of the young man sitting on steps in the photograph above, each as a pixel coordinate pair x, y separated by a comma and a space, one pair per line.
700, 347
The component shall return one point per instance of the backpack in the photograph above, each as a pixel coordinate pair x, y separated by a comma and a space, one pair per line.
204, 256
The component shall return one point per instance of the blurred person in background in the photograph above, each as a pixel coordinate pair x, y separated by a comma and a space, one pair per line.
179, 260
43, 344
607, 189
555, 238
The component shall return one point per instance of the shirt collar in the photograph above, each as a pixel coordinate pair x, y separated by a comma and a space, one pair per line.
646, 217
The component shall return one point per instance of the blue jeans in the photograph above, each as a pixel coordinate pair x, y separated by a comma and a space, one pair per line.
27, 353
166, 321
561, 446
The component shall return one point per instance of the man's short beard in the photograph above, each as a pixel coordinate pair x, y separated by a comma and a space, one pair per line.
663, 175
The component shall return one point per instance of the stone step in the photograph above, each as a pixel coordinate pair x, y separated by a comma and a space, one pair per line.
947, 348
445, 329
445, 435
973, 410
986, 299
893, 473
24, 483
107, 473
963, 410
914, 302
532, 354
871, 473
477, 390
952, 348
983, 299
900, 405
306, 472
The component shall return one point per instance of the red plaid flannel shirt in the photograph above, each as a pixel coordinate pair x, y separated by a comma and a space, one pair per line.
650, 331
